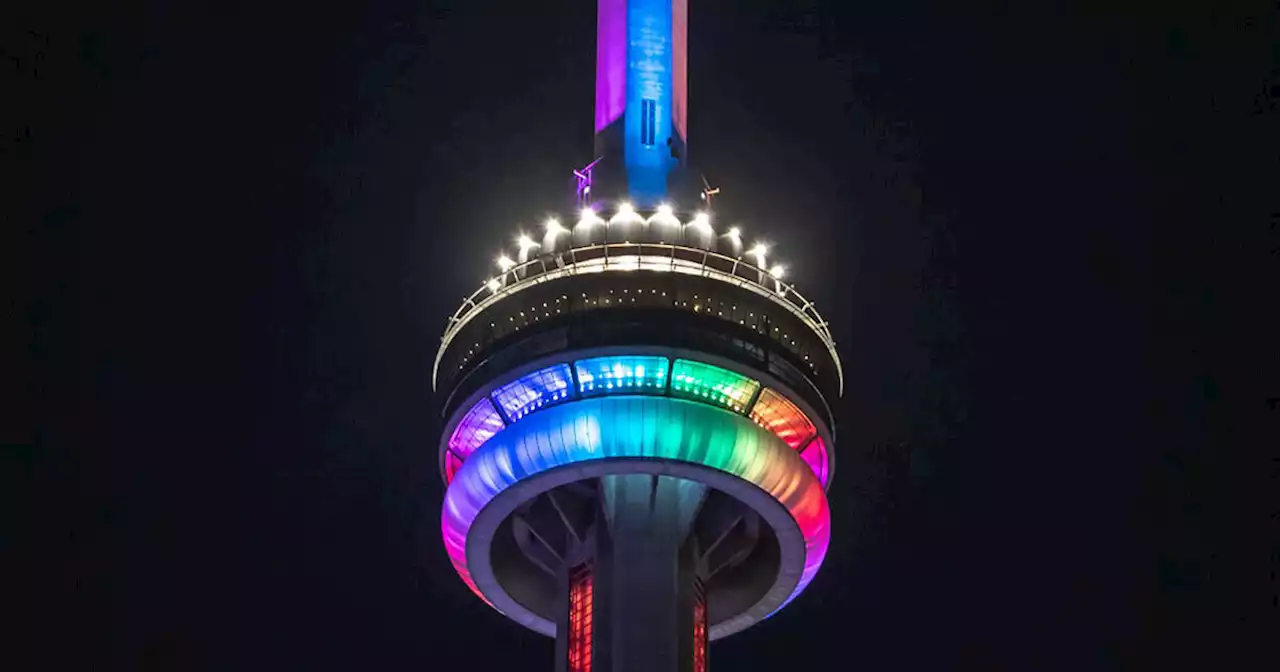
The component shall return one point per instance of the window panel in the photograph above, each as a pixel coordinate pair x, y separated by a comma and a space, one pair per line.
777, 414
477, 426
533, 391
581, 602
712, 384
452, 463
815, 455
611, 375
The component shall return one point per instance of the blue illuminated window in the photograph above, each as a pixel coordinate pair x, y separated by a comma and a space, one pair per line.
631, 374
534, 391
648, 121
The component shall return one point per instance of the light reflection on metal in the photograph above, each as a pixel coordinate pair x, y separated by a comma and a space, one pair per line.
632, 374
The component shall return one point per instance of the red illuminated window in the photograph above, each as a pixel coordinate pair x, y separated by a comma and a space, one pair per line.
580, 598
452, 463
699, 628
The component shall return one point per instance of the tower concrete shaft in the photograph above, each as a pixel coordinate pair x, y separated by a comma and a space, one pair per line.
640, 578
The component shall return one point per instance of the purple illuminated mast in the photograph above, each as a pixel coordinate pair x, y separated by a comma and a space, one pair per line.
641, 99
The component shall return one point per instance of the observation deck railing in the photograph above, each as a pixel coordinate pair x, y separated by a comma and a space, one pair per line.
628, 257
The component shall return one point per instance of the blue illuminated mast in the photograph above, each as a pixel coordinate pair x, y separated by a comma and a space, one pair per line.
641, 98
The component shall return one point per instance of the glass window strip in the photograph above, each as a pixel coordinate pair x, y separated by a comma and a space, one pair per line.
632, 374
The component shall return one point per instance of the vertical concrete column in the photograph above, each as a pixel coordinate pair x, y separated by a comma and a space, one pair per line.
645, 568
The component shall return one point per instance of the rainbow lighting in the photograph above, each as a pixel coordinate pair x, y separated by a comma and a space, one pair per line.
637, 433
605, 375
637, 374
621, 427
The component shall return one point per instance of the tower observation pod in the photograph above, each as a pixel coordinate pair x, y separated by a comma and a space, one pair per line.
637, 439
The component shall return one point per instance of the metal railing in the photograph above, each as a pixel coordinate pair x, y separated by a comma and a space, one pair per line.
628, 257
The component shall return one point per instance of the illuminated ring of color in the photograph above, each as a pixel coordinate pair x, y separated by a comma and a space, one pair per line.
634, 434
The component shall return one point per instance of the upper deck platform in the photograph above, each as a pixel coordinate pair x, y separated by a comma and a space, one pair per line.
629, 258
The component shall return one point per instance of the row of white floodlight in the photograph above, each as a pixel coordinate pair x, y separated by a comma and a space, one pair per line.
588, 216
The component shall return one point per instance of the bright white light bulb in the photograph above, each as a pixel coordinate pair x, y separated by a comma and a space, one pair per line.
525, 242
505, 263
588, 214
493, 284
664, 210
553, 225
777, 271
625, 209
702, 219
735, 232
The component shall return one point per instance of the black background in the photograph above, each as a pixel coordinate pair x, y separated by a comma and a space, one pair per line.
241, 227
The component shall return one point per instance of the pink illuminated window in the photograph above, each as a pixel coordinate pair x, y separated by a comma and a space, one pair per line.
452, 463
699, 627
815, 455
581, 595
778, 415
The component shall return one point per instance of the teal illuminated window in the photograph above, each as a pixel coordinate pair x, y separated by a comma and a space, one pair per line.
608, 375
704, 382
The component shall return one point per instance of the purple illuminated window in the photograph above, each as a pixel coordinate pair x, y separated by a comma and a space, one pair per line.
533, 391
477, 426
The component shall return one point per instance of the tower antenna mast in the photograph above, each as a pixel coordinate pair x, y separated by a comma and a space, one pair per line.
708, 191
583, 176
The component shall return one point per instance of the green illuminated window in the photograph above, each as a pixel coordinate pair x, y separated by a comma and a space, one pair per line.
712, 384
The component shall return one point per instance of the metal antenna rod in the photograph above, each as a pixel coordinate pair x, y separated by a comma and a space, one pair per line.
708, 191
584, 183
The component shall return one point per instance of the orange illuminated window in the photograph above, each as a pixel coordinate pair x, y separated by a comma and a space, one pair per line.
580, 617
777, 414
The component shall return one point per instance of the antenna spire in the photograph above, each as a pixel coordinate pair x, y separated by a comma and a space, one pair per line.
708, 191
583, 176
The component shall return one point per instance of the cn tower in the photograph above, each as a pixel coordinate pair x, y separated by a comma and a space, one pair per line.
637, 438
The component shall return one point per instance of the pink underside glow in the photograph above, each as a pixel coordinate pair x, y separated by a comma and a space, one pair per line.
611, 61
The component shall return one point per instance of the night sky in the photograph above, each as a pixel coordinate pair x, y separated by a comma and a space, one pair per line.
248, 223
